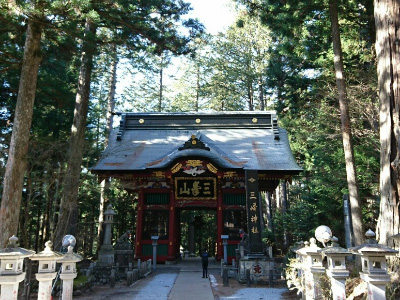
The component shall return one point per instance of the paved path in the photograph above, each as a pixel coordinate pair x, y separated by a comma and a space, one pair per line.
183, 282
190, 285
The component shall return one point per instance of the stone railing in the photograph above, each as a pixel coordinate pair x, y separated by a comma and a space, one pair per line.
144, 267
11, 269
308, 268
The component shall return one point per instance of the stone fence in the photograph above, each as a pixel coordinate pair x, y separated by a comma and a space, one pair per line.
11, 269
309, 267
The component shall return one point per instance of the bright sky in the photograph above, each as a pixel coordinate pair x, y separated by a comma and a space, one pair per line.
214, 14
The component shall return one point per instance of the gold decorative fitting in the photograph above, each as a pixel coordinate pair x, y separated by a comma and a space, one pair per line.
198, 121
212, 168
194, 163
141, 121
255, 120
194, 142
176, 168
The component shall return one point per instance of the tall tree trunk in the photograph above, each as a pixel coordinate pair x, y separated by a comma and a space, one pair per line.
160, 98
284, 201
250, 97
111, 97
17, 155
197, 88
67, 223
110, 109
56, 203
25, 218
352, 182
387, 23
268, 202
261, 93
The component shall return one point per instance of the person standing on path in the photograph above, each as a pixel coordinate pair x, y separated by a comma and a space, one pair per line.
204, 263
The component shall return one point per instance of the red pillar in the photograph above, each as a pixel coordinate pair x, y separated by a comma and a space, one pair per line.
139, 226
172, 228
220, 226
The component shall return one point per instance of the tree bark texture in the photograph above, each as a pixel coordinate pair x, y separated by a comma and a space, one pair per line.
110, 108
17, 156
268, 204
352, 182
387, 23
196, 107
67, 222
111, 98
261, 93
160, 96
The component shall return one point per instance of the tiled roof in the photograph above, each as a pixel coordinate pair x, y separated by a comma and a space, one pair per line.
233, 140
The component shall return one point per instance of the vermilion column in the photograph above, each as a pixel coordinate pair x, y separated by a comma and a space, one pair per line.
139, 226
172, 228
220, 225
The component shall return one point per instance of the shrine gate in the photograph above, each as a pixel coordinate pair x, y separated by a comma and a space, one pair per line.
218, 161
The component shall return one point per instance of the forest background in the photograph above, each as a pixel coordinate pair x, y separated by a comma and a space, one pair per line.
277, 55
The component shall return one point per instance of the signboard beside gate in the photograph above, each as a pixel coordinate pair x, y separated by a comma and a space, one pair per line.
253, 213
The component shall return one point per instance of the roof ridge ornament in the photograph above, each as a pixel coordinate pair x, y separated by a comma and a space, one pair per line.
121, 130
275, 128
194, 143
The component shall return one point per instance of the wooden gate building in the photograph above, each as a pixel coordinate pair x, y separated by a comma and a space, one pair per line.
218, 161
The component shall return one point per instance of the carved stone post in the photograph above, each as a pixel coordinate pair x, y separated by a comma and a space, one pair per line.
154, 238
336, 270
11, 266
225, 243
46, 271
68, 272
374, 267
312, 261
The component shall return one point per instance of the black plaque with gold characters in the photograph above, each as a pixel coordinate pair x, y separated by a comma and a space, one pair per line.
253, 212
193, 188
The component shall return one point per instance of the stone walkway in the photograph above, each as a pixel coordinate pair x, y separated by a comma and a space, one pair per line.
184, 282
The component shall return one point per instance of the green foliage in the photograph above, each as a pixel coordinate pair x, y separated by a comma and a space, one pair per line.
204, 223
284, 47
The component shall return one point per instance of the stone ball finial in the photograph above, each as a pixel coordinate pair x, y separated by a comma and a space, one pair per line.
70, 249
13, 242
313, 242
370, 234
323, 234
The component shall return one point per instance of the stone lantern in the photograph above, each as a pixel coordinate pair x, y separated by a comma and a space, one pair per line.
46, 270
374, 267
106, 252
336, 271
225, 244
68, 272
313, 269
11, 266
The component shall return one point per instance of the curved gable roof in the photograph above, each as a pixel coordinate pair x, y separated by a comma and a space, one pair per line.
233, 140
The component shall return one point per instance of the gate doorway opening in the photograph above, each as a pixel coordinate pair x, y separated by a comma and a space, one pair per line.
197, 231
